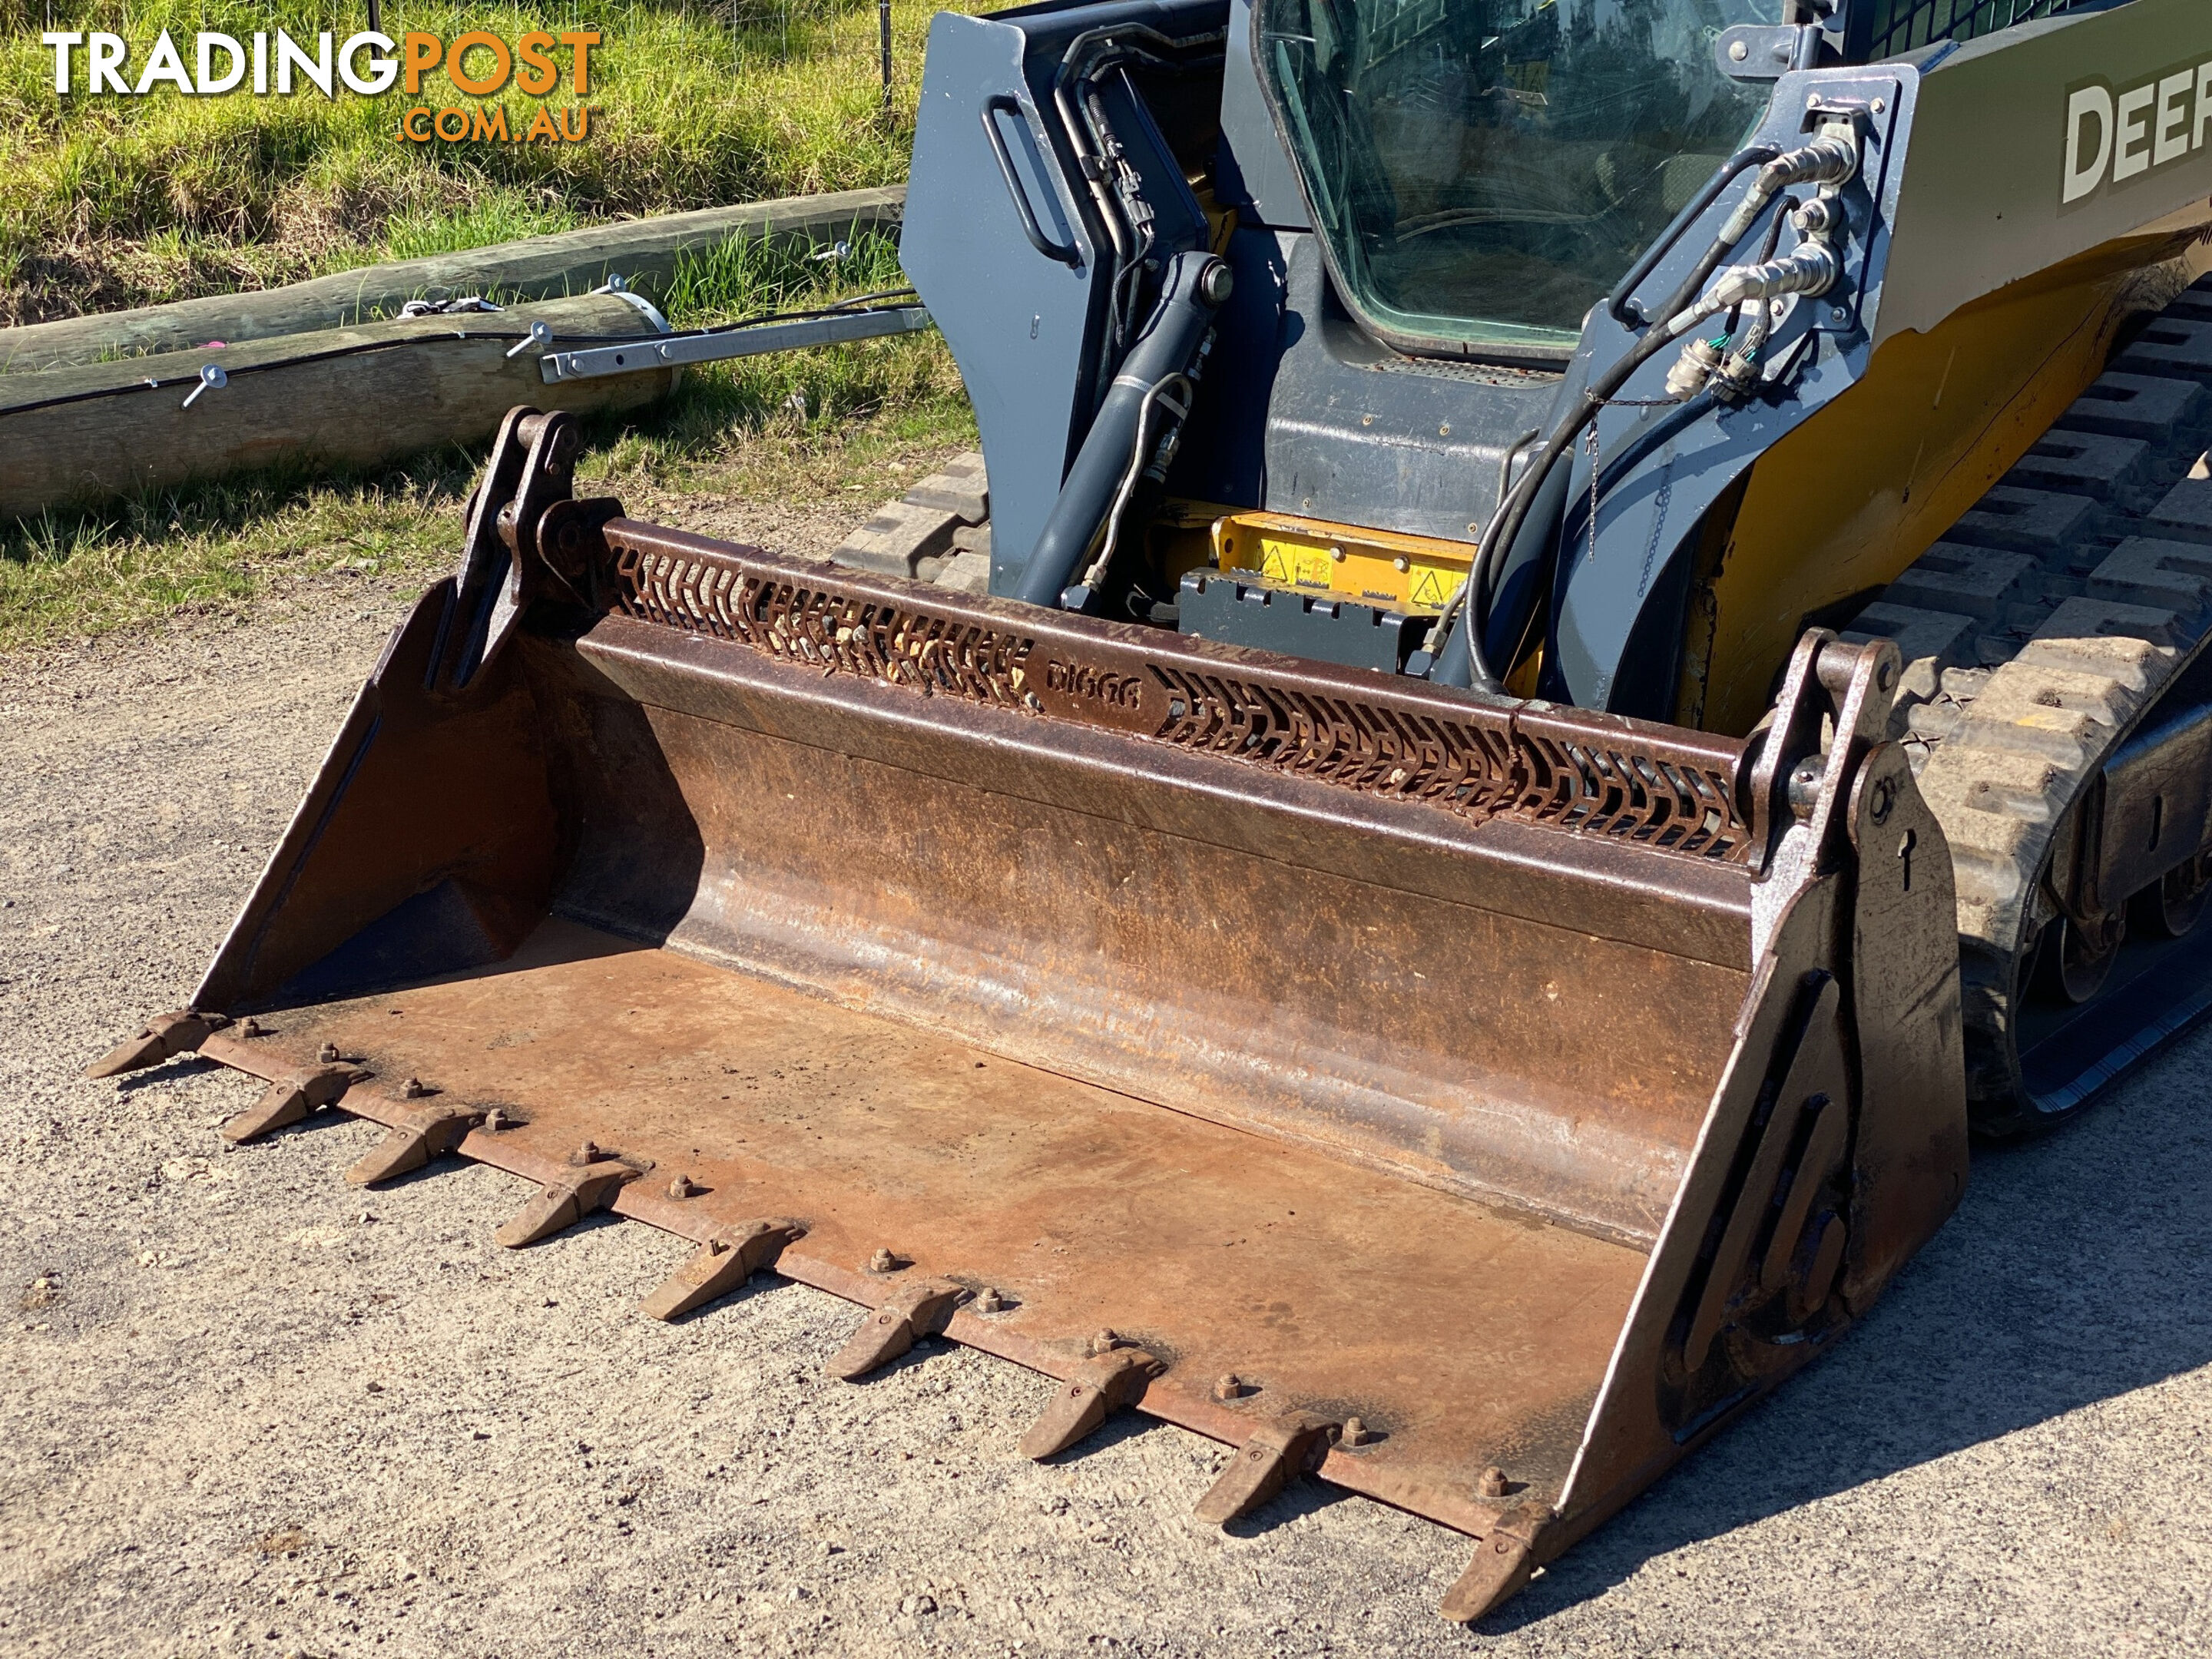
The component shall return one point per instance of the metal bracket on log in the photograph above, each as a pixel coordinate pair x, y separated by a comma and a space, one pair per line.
715, 346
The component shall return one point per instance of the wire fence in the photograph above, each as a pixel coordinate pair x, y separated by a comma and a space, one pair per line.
1900, 25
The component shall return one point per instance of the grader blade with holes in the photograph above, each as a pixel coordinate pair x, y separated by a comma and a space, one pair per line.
1471, 1104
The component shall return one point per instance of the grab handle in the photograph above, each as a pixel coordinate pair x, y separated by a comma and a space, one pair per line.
997, 103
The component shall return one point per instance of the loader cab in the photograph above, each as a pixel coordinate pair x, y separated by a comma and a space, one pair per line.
1425, 207
1419, 203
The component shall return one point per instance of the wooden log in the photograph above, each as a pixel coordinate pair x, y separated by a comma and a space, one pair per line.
346, 398
642, 252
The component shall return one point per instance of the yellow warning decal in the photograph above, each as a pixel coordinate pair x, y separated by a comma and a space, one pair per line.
1376, 567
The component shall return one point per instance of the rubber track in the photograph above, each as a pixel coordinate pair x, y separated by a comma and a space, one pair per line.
2037, 635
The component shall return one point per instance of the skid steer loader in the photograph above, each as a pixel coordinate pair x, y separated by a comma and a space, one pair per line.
1593, 646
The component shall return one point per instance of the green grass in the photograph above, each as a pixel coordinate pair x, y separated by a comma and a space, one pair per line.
216, 548
419, 233
849, 425
112, 201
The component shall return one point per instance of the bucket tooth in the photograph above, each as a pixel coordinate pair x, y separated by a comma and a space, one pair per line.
290, 1098
719, 1266
1100, 1387
429, 1133
1290, 1445
162, 1037
1503, 1562
583, 1191
919, 1311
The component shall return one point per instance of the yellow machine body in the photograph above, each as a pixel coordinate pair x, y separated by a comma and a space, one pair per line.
1878, 475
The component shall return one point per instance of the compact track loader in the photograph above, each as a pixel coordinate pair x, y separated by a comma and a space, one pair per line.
1592, 648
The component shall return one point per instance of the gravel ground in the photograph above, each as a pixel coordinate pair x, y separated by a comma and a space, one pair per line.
247, 1410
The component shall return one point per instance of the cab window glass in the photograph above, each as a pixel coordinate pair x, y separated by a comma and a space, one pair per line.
1485, 170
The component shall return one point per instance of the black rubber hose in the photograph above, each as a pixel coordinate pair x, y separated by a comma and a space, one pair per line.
1464, 652
1196, 285
1816, 162
1757, 155
1091, 138
1617, 304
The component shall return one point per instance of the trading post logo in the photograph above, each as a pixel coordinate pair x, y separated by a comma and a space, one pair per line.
476, 63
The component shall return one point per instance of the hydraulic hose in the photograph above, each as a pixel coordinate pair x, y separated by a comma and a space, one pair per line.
1620, 305
1824, 161
1464, 644
1098, 151
1195, 286
1811, 268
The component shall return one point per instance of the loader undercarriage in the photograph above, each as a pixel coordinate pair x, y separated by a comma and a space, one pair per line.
2053, 710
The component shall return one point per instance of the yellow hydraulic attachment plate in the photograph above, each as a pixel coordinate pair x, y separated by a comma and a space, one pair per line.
1412, 573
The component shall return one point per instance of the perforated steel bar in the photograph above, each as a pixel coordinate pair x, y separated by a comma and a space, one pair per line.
1670, 790
676, 350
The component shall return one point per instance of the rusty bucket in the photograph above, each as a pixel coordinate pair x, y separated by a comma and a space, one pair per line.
1473, 1103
